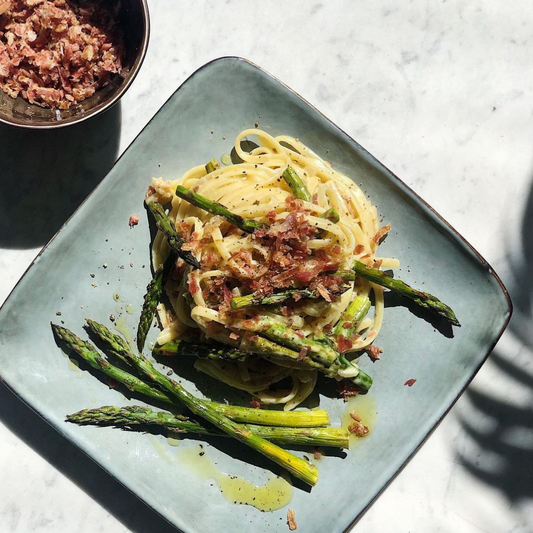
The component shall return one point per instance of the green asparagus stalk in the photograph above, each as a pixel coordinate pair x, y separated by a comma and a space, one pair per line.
239, 302
279, 333
332, 215
350, 369
316, 353
154, 290
217, 209
212, 166
268, 417
423, 299
282, 355
175, 239
352, 317
202, 351
346, 275
267, 349
89, 353
296, 184
295, 465
362, 380
135, 415
316, 418
151, 299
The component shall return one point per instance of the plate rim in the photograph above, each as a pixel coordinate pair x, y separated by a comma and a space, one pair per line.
376, 162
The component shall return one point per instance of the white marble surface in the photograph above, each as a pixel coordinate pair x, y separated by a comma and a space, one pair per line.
442, 93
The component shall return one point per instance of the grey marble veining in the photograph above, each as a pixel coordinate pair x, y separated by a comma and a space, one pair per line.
441, 92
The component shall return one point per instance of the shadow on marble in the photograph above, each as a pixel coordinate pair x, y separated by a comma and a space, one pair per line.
47, 174
502, 455
499, 448
81, 470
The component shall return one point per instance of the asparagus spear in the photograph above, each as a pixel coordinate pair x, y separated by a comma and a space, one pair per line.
350, 369
352, 317
267, 350
346, 275
423, 299
212, 166
239, 302
361, 379
154, 290
89, 353
279, 333
331, 214
151, 299
217, 209
270, 417
175, 240
316, 353
297, 185
135, 415
252, 299
282, 355
202, 351
295, 465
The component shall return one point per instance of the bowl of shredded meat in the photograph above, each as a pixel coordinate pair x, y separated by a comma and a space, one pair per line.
63, 61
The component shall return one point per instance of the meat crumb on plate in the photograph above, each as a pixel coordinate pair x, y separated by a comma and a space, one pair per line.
410, 382
355, 416
291, 520
134, 220
358, 429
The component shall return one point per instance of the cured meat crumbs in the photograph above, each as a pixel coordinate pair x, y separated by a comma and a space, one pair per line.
55, 53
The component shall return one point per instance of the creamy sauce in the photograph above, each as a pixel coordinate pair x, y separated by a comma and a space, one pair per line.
74, 366
274, 495
122, 328
161, 449
365, 406
129, 309
173, 441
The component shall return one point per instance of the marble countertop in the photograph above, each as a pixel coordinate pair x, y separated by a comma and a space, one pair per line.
442, 93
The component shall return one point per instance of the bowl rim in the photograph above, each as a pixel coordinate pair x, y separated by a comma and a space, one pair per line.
104, 106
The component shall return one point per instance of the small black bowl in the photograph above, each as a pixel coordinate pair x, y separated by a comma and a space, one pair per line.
134, 23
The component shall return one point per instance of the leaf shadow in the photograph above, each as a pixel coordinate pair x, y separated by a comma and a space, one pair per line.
502, 426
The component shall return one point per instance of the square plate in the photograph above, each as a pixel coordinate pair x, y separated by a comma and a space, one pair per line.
199, 122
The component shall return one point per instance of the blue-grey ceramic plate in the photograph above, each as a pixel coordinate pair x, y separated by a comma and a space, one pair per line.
199, 122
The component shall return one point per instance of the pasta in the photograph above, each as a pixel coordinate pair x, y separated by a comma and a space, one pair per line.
304, 243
